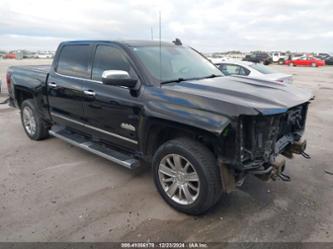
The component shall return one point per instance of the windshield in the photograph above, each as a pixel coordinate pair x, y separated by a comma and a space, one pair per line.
171, 63
262, 69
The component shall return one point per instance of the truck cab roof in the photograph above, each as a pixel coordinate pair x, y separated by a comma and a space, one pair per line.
129, 43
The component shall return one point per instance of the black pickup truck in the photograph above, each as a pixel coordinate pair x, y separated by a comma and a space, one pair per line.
163, 104
259, 57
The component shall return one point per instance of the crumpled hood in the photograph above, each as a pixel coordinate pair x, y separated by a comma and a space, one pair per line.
266, 97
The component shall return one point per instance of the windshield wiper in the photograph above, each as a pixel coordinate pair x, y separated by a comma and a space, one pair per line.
212, 76
183, 79
172, 81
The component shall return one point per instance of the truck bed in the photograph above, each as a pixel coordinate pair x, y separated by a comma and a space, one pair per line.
35, 68
30, 78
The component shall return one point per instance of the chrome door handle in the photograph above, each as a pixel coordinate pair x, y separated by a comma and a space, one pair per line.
52, 84
90, 93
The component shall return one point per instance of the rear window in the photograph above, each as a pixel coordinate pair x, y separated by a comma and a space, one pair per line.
74, 61
232, 69
262, 69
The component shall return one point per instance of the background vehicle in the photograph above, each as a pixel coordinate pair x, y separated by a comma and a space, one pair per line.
28, 54
259, 57
201, 132
216, 60
323, 56
255, 70
329, 60
305, 61
279, 57
43, 55
2, 53
10, 56
294, 56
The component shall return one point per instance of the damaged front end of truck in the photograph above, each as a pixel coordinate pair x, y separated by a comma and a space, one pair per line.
261, 121
253, 145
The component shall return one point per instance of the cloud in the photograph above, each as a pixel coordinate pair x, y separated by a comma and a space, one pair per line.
210, 25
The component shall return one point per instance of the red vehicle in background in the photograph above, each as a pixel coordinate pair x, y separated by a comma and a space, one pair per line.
306, 60
10, 56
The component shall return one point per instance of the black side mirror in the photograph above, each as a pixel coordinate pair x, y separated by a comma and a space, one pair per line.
118, 78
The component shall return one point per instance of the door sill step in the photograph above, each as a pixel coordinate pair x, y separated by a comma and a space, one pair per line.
94, 147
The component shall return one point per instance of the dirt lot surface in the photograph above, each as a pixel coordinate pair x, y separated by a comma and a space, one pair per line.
52, 191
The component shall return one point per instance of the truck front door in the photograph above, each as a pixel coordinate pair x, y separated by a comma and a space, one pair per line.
111, 111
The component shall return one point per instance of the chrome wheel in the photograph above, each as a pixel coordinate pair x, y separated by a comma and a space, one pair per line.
29, 121
179, 179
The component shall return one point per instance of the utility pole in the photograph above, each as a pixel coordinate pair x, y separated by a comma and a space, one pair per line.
160, 38
160, 26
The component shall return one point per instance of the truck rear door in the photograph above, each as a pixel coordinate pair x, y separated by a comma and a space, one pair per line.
64, 86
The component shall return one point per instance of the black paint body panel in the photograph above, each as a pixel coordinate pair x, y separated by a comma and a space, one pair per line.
208, 105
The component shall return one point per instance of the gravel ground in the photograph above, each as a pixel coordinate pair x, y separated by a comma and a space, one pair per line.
52, 191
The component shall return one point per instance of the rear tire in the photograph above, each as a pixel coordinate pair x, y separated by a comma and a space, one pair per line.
186, 175
281, 61
34, 126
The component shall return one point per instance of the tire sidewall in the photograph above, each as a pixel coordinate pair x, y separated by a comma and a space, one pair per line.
172, 148
29, 104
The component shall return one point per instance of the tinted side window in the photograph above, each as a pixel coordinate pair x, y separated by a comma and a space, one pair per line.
244, 71
110, 58
74, 61
229, 69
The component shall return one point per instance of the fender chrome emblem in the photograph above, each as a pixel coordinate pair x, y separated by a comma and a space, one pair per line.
127, 126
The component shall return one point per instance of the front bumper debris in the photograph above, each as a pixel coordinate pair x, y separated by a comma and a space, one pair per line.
274, 171
296, 148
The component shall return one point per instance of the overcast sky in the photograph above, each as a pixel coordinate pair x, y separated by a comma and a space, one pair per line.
207, 25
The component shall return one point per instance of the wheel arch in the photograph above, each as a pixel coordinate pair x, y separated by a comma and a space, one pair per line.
21, 94
157, 131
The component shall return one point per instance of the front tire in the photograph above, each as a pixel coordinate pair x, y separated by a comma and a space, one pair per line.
314, 64
34, 126
186, 175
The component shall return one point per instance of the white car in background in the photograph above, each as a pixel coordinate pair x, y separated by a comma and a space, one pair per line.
254, 70
43, 55
217, 60
279, 57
